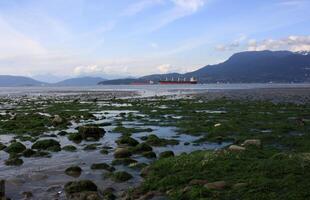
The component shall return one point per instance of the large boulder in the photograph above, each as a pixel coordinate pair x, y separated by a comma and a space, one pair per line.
89, 132
57, 120
15, 147
48, 144
127, 140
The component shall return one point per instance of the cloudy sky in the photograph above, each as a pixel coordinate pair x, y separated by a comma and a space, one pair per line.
138, 37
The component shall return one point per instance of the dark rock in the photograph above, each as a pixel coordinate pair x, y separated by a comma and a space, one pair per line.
74, 171
149, 154
28, 153
120, 176
49, 145
123, 161
91, 132
80, 186
143, 147
14, 161
15, 147
122, 153
102, 166
127, 140
70, 148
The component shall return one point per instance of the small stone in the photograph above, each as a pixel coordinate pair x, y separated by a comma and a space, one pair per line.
253, 142
236, 148
218, 185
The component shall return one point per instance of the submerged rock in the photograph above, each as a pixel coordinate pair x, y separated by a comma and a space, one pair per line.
102, 166
14, 161
80, 186
123, 161
49, 145
149, 154
154, 140
2, 146
70, 148
74, 171
28, 153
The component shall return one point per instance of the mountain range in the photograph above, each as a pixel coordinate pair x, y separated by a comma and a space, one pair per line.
244, 67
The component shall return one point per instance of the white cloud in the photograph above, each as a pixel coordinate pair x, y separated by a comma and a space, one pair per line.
233, 45
154, 45
164, 68
292, 43
97, 70
191, 5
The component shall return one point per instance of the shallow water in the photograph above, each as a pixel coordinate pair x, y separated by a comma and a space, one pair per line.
45, 177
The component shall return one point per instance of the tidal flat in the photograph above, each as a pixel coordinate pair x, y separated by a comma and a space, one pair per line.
249, 144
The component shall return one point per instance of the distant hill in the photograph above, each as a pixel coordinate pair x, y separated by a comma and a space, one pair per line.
14, 81
80, 81
252, 67
124, 81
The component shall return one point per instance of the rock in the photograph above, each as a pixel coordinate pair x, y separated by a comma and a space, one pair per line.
138, 166
28, 153
186, 143
127, 140
49, 145
27, 195
142, 147
218, 185
2, 146
91, 132
198, 182
15, 147
239, 185
149, 154
154, 140
14, 161
90, 147
86, 195
104, 151
166, 154
38, 176
253, 142
80, 186
122, 153
236, 148
75, 137
123, 161
63, 133
108, 194
102, 166
120, 176
74, 171
70, 148
57, 120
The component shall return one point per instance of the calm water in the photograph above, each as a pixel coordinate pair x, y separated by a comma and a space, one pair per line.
145, 90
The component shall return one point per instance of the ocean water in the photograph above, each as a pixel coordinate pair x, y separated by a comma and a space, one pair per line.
144, 90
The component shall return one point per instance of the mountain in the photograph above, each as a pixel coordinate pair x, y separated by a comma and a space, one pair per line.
80, 81
252, 67
124, 81
14, 81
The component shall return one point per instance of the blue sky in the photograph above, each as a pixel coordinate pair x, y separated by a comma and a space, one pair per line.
139, 37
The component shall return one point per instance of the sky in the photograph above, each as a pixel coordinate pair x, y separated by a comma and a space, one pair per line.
54, 39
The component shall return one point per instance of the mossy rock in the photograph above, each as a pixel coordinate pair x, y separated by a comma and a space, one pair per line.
121, 176
14, 161
90, 147
166, 154
49, 145
127, 140
154, 140
70, 148
28, 153
74, 171
108, 194
142, 147
15, 147
123, 161
75, 137
104, 166
89, 131
149, 154
138, 166
80, 186
122, 153
104, 151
